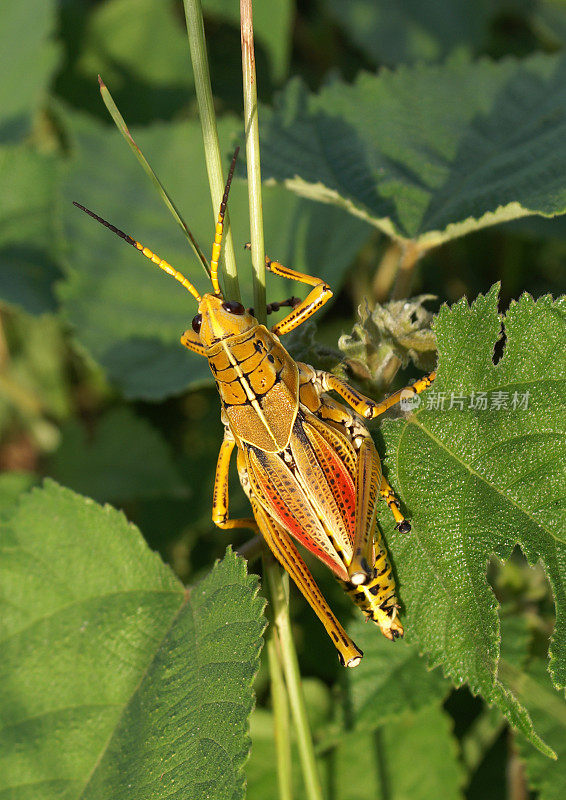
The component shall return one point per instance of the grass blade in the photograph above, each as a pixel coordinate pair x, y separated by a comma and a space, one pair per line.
199, 59
123, 128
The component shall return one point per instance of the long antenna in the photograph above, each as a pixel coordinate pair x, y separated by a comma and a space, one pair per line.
145, 251
220, 227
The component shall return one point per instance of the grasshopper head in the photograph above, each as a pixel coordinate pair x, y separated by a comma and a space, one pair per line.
218, 319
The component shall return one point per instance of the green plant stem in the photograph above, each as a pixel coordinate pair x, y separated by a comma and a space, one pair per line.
409, 255
281, 722
252, 549
251, 123
276, 580
517, 786
278, 584
280, 714
386, 271
197, 44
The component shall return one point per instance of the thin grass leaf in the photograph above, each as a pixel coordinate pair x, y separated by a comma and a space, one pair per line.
123, 128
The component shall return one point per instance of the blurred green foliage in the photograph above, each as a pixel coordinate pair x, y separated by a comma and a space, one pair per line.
364, 104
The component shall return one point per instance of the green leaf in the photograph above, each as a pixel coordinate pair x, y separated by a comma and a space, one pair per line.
399, 31
141, 37
12, 485
127, 313
27, 268
140, 49
363, 765
29, 58
549, 715
261, 768
396, 150
389, 680
123, 459
476, 482
480, 744
120, 123
515, 637
115, 682
413, 756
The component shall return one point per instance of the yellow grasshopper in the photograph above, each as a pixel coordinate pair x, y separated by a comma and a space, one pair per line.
307, 464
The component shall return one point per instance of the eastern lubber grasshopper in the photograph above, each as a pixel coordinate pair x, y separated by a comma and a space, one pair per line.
307, 464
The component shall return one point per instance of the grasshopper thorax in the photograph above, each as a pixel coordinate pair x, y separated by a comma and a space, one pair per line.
219, 319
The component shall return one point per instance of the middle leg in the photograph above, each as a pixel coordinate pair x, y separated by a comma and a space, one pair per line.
363, 405
317, 297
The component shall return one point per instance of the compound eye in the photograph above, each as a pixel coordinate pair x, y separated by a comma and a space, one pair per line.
197, 322
233, 307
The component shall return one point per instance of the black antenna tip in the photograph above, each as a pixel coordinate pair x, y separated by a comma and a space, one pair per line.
228, 182
107, 224
234, 159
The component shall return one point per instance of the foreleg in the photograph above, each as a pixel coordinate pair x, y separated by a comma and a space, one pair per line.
220, 497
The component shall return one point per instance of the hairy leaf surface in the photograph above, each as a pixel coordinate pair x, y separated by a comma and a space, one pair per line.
398, 150
478, 481
115, 681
